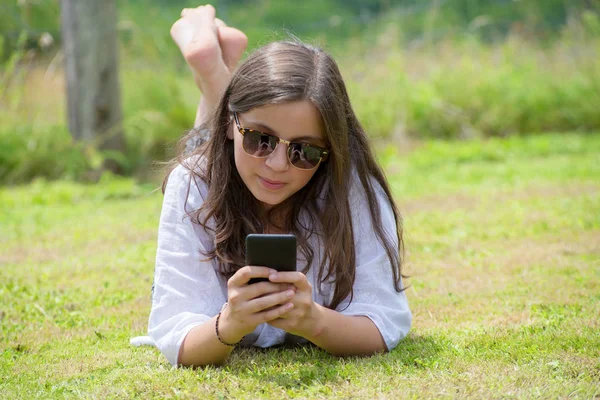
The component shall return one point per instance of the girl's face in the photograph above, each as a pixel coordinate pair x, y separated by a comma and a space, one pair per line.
273, 179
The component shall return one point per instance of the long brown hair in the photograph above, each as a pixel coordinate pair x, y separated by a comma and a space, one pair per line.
277, 73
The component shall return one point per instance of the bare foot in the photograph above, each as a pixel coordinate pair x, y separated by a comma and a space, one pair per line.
211, 49
233, 44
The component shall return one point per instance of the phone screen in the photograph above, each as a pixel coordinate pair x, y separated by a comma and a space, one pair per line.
271, 250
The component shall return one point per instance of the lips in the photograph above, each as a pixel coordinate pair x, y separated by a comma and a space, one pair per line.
269, 184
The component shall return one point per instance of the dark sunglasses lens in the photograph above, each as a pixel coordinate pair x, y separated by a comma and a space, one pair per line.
258, 144
304, 156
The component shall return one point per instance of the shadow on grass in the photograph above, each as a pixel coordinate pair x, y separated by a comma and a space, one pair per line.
293, 367
419, 351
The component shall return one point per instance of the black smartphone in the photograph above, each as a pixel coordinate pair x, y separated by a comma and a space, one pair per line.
270, 250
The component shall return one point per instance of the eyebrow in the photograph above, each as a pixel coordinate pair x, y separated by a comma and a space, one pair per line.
312, 139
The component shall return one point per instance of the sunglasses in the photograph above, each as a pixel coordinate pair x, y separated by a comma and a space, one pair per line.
259, 144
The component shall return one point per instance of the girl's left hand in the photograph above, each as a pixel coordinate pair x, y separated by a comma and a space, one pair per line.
305, 317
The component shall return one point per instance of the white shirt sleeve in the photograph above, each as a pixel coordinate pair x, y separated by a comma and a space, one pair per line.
374, 294
187, 291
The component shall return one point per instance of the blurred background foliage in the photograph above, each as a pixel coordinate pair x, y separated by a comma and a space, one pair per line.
451, 69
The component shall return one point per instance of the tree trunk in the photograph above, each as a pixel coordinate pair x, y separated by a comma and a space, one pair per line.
91, 65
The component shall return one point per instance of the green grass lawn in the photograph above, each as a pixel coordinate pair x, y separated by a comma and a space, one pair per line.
503, 247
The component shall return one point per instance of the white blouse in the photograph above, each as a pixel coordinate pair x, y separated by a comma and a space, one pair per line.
188, 291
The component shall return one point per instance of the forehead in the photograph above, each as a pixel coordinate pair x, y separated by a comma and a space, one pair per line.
292, 120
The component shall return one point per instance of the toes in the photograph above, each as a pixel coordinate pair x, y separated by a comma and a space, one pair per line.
233, 43
204, 39
210, 10
206, 11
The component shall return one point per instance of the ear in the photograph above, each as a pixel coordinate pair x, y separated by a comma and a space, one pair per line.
230, 131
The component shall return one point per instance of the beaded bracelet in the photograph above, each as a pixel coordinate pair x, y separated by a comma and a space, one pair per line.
217, 329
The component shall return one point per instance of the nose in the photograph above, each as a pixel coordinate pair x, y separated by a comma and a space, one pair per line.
278, 160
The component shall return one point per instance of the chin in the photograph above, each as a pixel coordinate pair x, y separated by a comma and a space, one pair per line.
270, 199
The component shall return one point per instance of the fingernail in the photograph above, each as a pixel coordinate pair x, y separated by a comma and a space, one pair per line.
289, 293
273, 276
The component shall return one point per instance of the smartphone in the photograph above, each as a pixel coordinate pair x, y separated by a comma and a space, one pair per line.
273, 251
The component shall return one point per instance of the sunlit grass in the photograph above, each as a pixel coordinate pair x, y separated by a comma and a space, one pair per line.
502, 249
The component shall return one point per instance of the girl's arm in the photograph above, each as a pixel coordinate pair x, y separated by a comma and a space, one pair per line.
336, 333
378, 316
343, 335
187, 291
247, 307
201, 346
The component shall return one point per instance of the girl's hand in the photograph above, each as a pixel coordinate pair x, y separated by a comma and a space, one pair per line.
251, 305
306, 317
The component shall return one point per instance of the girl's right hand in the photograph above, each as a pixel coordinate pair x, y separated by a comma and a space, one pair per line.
251, 305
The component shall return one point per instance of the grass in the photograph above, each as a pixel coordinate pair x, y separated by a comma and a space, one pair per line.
503, 239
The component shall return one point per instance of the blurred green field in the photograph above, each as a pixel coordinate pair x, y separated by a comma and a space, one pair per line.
503, 250
455, 69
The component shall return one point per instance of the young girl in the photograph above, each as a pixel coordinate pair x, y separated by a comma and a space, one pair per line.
285, 154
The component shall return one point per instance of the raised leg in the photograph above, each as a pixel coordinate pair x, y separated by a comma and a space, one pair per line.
211, 49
